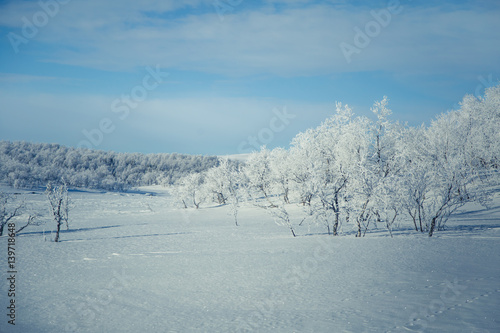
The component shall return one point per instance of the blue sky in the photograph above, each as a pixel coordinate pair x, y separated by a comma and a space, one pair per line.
223, 77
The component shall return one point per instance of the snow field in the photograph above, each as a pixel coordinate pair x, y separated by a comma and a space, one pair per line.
134, 262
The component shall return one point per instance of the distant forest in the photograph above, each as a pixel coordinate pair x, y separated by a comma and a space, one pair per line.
27, 165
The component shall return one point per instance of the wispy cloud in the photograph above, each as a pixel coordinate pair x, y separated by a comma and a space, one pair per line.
227, 75
297, 40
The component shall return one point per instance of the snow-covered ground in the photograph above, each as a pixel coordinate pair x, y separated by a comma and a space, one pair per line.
134, 262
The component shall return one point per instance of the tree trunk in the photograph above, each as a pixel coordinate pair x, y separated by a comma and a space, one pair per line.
433, 225
336, 224
235, 213
223, 198
358, 234
336, 209
361, 218
285, 198
420, 218
414, 218
366, 228
392, 222
57, 232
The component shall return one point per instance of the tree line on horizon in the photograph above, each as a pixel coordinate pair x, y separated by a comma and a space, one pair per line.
29, 165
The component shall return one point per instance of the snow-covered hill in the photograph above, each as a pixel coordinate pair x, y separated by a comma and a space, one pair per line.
133, 262
24, 165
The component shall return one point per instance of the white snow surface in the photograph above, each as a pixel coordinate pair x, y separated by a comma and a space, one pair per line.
134, 262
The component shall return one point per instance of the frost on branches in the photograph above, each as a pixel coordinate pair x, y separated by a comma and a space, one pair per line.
59, 206
352, 173
9, 209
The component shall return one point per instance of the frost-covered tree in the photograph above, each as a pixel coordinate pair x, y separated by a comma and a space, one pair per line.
464, 153
281, 171
363, 179
443, 170
386, 163
225, 184
387, 202
189, 190
332, 150
353, 170
301, 165
450, 175
416, 175
9, 209
259, 174
235, 179
276, 207
480, 121
217, 182
59, 206
267, 174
